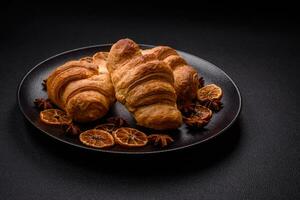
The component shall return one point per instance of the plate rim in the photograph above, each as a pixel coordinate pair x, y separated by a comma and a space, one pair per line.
127, 152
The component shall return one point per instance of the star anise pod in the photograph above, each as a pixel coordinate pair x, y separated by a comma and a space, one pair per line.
214, 105
187, 108
195, 121
73, 129
118, 121
43, 104
44, 84
109, 127
160, 139
201, 81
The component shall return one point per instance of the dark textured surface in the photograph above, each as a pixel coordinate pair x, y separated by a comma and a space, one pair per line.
258, 158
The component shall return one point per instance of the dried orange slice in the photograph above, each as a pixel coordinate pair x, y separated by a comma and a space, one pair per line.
199, 118
109, 127
55, 117
97, 138
130, 137
203, 112
209, 92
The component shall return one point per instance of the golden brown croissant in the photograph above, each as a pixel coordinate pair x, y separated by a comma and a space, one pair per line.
81, 89
144, 85
186, 78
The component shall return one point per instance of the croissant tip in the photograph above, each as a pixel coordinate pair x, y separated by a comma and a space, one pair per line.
126, 39
125, 42
124, 47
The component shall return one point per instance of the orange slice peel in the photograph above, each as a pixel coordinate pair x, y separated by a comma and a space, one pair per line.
97, 138
55, 117
130, 137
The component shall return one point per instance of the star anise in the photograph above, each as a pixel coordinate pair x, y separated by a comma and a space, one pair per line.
160, 139
44, 84
109, 127
187, 108
195, 121
43, 104
201, 81
73, 129
118, 121
214, 105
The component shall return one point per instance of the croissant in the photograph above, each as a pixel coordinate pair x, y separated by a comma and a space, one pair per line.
144, 85
82, 88
186, 78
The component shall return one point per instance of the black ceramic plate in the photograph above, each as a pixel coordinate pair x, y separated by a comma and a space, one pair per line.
30, 88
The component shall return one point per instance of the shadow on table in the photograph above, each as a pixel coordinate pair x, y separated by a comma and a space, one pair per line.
201, 157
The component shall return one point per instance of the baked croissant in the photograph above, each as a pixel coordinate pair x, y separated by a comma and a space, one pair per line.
81, 89
186, 78
144, 85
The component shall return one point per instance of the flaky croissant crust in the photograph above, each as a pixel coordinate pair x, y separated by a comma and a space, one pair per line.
81, 89
145, 85
186, 77
61, 76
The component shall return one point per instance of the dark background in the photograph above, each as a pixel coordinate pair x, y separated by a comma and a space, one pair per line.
256, 43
